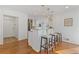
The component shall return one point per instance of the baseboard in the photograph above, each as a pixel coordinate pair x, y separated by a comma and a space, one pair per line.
10, 37
70, 42
22, 39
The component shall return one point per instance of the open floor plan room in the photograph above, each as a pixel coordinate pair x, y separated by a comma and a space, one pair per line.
39, 29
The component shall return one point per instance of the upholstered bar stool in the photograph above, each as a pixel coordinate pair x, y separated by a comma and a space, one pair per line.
53, 40
47, 43
58, 38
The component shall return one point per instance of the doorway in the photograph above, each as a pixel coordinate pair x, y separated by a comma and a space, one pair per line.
10, 29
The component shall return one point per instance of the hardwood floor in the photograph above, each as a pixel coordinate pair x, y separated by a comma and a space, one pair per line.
17, 47
9, 39
65, 48
21, 47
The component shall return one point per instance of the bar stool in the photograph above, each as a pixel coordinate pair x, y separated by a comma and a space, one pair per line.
58, 38
48, 43
54, 40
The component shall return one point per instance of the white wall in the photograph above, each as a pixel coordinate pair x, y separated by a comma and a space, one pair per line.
22, 23
71, 33
1, 27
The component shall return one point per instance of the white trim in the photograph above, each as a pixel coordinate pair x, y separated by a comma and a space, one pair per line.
71, 42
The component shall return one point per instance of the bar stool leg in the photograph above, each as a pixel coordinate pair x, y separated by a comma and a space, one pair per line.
52, 43
55, 41
47, 45
41, 45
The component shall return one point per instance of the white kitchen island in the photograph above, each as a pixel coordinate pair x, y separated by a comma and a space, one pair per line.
34, 38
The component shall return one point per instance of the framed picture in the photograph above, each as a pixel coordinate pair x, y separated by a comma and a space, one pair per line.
68, 22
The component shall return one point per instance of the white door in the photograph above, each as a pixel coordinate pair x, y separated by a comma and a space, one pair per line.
8, 27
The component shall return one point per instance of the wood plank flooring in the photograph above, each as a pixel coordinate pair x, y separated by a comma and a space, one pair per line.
22, 47
67, 48
17, 47
9, 39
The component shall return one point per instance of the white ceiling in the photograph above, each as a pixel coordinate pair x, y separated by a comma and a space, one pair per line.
38, 10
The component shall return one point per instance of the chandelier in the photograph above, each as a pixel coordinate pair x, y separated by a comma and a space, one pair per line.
48, 13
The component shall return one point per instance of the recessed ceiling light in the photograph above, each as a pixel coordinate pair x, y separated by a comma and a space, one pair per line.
66, 6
